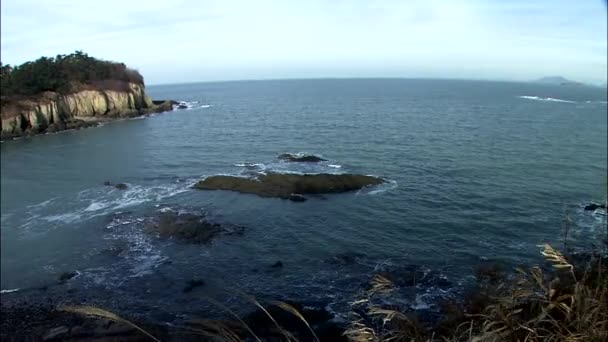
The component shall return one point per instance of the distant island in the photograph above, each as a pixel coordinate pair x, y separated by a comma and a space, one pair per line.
557, 80
70, 92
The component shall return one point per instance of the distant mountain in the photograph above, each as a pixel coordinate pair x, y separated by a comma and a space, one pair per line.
557, 80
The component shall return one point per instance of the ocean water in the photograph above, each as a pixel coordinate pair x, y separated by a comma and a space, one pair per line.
476, 171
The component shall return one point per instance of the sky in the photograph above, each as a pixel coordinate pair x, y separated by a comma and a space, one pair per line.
180, 41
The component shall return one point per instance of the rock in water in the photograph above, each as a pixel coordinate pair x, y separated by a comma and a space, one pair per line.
594, 206
189, 227
300, 158
107, 183
284, 185
121, 186
297, 198
65, 276
277, 264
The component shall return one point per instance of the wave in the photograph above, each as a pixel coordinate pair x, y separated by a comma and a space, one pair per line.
93, 202
189, 105
549, 99
10, 290
379, 189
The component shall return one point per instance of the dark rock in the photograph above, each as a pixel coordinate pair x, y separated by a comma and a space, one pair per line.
182, 106
277, 264
121, 186
300, 158
189, 227
594, 206
192, 284
319, 319
297, 198
65, 276
284, 185
52, 128
107, 183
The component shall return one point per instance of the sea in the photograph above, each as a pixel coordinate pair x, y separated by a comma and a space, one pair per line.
476, 172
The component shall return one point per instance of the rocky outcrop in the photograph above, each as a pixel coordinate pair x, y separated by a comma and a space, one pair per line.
594, 206
189, 227
286, 185
54, 112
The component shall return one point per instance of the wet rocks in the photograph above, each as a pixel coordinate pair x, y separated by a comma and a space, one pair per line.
119, 186
305, 158
189, 227
594, 206
277, 264
296, 198
284, 185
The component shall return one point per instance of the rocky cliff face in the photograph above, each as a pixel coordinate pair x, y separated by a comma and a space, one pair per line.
59, 112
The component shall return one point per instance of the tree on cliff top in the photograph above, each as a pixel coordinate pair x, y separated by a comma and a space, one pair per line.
64, 74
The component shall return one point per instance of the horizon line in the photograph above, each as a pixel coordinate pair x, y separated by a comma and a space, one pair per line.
593, 85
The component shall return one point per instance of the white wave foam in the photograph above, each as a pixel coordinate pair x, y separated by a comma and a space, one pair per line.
335, 166
189, 105
549, 99
94, 206
379, 189
10, 290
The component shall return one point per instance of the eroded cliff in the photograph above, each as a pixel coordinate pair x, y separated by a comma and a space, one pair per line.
55, 112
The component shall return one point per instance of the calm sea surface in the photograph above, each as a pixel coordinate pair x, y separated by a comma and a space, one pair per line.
477, 171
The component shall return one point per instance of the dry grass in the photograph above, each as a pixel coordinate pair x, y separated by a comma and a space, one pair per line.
559, 305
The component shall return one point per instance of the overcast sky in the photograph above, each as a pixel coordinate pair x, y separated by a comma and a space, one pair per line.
175, 41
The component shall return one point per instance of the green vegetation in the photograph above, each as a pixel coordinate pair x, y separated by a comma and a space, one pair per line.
64, 74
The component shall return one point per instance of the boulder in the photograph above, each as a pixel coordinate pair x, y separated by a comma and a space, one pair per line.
182, 106
285, 185
594, 206
306, 158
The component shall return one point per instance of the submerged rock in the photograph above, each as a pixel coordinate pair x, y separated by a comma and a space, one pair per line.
284, 185
189, 227
121, 186
300, 158
192, 284
277, 264
594, 206
65, 276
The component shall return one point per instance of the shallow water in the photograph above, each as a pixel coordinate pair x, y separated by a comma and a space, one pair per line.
477, 171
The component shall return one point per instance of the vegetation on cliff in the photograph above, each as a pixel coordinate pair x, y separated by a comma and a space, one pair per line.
64, 74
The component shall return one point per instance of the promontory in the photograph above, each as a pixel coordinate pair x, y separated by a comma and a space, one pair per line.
70, 92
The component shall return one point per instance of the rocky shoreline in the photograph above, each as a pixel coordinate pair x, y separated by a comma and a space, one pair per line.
53, 112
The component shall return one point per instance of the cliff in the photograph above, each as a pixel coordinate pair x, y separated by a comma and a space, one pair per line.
51, 112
